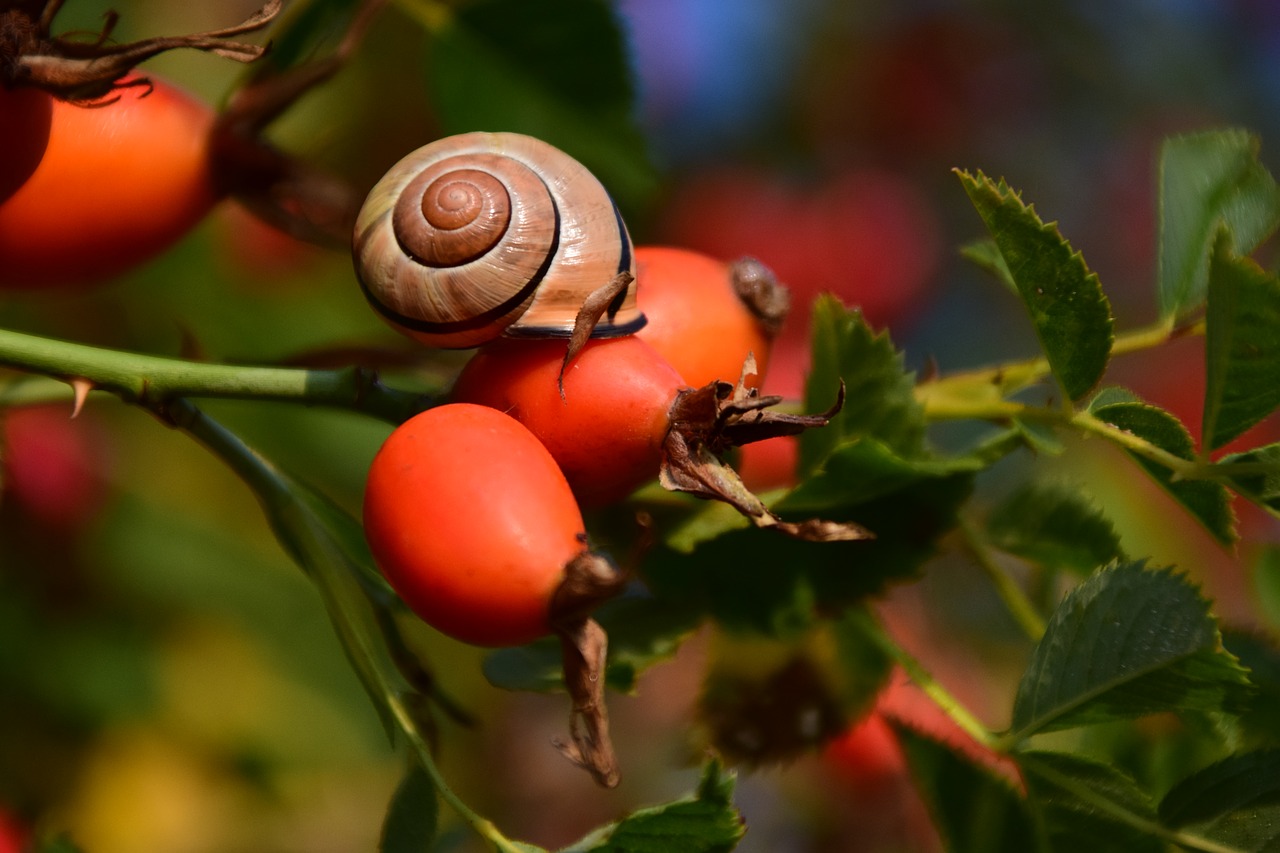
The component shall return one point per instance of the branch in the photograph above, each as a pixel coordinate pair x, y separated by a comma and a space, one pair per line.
152, 381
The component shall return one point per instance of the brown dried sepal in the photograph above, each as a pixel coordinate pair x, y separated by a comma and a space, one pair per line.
759, 289
590, 580
294, 196
91, 70
707, 421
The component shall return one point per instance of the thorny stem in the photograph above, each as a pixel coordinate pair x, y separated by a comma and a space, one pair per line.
151, 381
925, 680
271, 487
1011, 377
1015, 600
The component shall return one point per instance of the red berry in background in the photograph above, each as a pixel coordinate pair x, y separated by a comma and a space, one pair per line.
52, 465
607, 431
118, 184
472, 523
704, 314
868, 236
11, 834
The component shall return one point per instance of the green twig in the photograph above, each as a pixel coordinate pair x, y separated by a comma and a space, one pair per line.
1015, 600
1005, 379
924, 680
150, 381
274, 490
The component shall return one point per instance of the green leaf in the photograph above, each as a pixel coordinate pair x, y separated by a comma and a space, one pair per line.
410, 824
862, 470
764, 581
880, 401
1086, 805
985, 255
1208, 501
1259, 652
707, 822
975, 810
1127, 642
1208, 180
1242, 349
1261, 484
1235, 802
1056, 526
1266, 585
1071, 315
556, 70
643, 631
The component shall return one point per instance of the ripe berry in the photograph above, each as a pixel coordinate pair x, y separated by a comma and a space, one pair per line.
473, 524
117, 184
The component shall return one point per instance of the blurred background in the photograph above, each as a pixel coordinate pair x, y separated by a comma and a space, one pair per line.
169, 681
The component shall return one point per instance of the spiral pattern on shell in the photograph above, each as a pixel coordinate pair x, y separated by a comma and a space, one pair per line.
485, 234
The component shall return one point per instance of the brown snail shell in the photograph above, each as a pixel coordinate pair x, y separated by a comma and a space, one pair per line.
486, 234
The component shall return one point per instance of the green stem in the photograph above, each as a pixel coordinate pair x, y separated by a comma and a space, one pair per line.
1009, 378
151, 380
924, 680
1106, 805
1015, 601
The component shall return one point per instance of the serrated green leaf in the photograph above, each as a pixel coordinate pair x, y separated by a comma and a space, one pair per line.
1208, 180
1110, 396
761, 580
1056, 526
1261, 482
880, 401
707, 822
1208, 501
1086, 805
410, 823
643, 631
1260, 654
863, 470
1127, 642
1069, 311
556, 70
1235, 802
985, 255
974, 810
1242, 348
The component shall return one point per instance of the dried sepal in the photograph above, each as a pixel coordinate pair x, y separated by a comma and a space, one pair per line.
589, 581
707, 421
89, 71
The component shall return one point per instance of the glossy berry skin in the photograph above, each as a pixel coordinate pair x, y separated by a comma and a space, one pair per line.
607, 431
696, 320
117, 185
472, 523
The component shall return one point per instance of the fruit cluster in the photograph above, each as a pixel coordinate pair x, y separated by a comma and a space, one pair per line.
507, 463
473, 508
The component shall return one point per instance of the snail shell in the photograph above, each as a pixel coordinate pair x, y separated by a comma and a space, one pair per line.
487, 234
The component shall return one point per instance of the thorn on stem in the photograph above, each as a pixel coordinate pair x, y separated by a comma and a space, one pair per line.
80, 387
